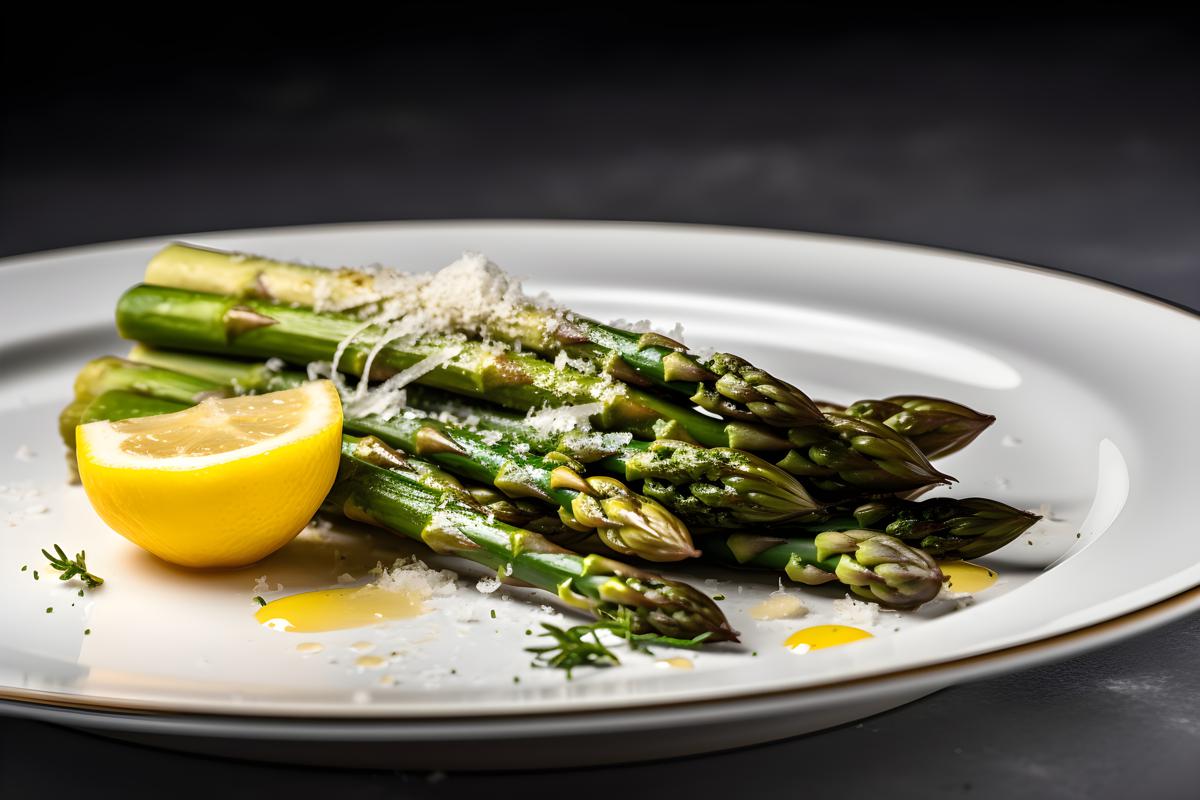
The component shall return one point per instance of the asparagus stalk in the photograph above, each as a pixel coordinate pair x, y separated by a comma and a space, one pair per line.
847, 457
850, 456
380, 486
871, 564
709, 487
626, 522
843, 455
392, 498
181, 319
945, 527
724, 384
937, 427
714, 487
876, 566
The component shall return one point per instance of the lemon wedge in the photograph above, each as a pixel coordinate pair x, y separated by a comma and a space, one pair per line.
222, 484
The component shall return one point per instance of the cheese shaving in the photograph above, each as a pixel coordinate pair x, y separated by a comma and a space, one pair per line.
388, 399
849, 611
562, 419
415, 578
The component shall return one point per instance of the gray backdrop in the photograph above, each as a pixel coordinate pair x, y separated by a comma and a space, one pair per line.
1066, 143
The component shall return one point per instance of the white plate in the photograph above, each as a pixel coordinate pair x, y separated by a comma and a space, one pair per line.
1094, 387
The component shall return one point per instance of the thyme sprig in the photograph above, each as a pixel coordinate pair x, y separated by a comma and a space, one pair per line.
580, 645
71, 568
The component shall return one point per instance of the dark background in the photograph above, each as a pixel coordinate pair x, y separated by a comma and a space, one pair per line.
1062, 140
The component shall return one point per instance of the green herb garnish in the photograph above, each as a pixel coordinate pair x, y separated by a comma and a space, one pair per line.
580, 645
71, 568
258, 599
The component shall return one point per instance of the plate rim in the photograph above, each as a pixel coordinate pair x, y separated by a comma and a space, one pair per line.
881, 242
1060, 645
973, 667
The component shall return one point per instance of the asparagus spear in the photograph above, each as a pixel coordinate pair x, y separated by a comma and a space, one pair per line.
945, 527
710, 487
714, 487
723, 383
937, 427
843, 455
626, 522
379, 486
391, 498
874, 565
849, 456
176, 318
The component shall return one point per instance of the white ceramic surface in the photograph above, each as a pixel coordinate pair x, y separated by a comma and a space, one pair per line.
1090, 385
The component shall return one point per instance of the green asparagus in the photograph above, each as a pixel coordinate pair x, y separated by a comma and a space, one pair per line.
626, 522
937, 427
946, 528
724, 384
391, 498
175, 318
843, 455
710, 487
714, 487
876, 566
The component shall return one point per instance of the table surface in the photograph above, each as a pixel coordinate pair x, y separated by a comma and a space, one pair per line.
1065, 144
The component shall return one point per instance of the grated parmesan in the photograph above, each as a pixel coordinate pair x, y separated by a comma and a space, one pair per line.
563, 419
415, 578
487, 584
388, 399
960, 599
849, 611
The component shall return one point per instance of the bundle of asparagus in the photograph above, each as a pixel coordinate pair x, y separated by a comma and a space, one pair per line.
462, 433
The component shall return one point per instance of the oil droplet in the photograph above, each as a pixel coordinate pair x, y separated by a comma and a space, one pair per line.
336, 609
780, 605
370, 662
362, 647
675, 663
963, 576
822, 636
387, 680
308, 648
